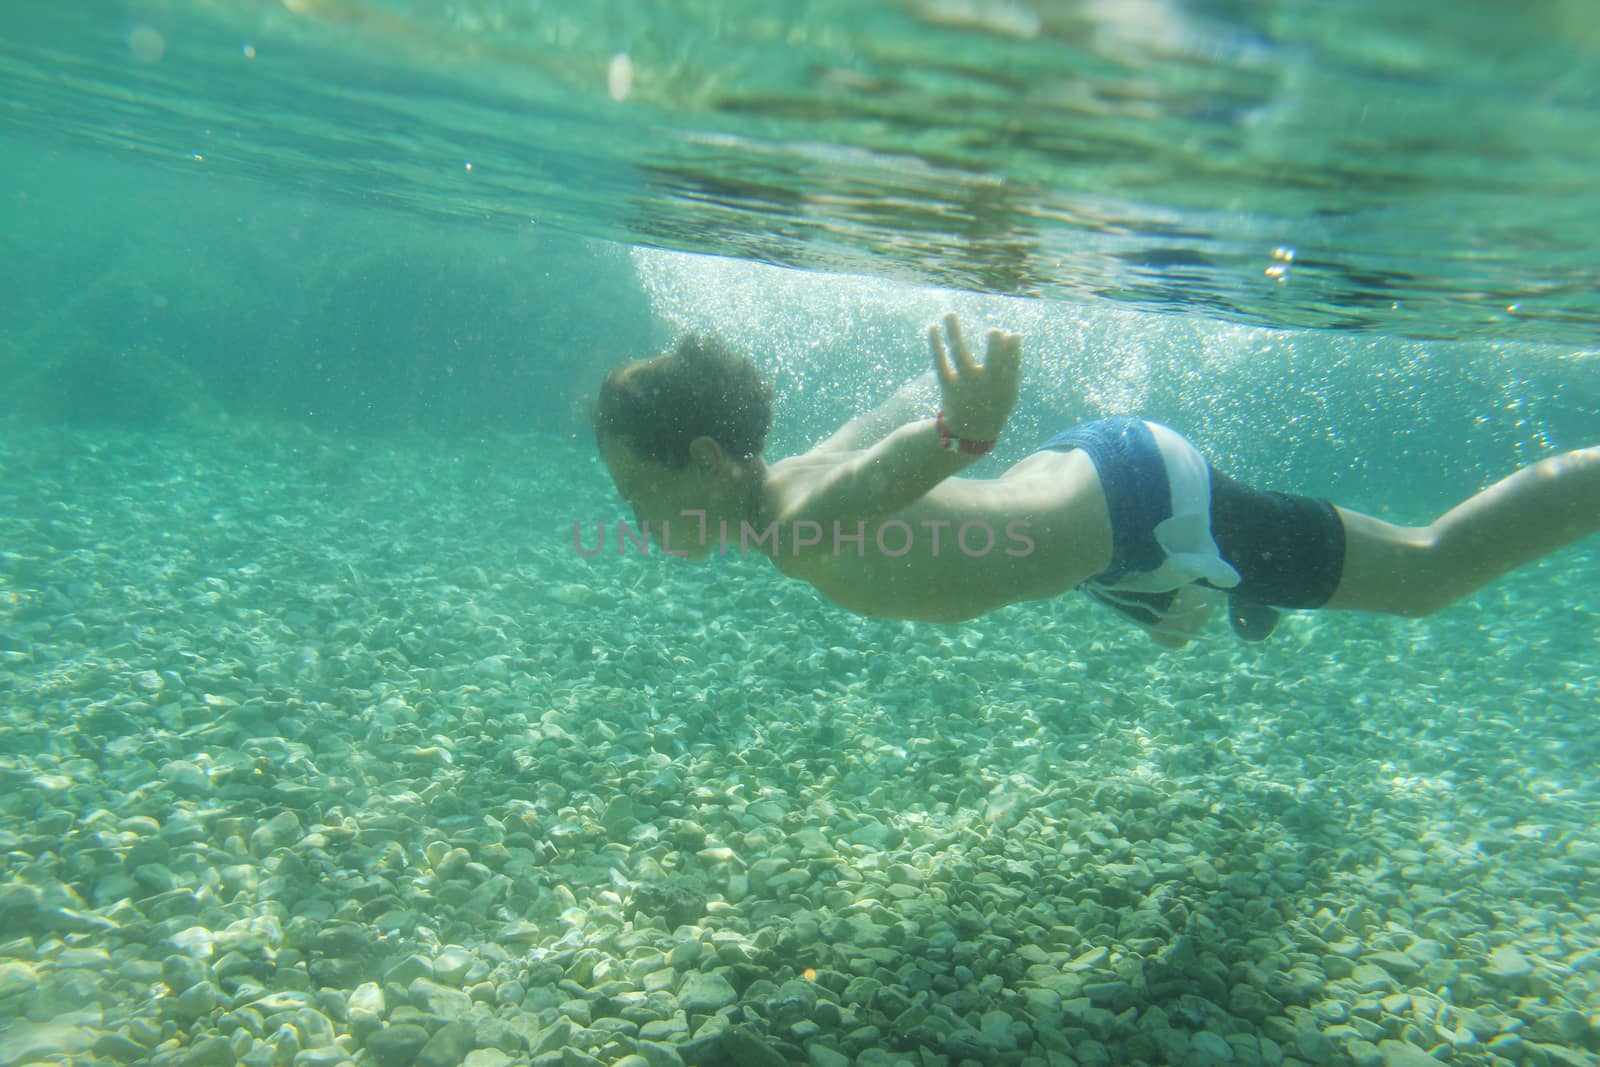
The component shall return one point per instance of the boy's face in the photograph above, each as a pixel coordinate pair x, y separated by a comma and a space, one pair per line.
659, 494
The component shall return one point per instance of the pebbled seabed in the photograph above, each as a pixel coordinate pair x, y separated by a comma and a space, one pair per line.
320, 752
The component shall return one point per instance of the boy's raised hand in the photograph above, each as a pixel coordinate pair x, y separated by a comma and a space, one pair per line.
976, 398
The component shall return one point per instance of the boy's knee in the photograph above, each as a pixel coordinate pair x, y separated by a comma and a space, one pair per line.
1423, 575
1427, 583
1430, 594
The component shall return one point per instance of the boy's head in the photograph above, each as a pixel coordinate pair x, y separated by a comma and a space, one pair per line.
699, 389
684, 431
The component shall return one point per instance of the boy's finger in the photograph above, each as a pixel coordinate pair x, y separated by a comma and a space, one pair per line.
1007, 361
1004, 348
997, 346
941, 359
958, 345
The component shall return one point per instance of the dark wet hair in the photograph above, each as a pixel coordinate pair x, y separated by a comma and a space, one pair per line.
702, 388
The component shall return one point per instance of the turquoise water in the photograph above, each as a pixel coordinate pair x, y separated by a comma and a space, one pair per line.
320, 743
1432, 176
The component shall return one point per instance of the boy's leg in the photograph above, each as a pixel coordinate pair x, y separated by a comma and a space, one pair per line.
1384, 567
1416, 570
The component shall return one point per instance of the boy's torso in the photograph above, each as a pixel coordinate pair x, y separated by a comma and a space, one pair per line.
965, 548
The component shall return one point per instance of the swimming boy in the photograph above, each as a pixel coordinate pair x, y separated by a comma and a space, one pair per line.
875, 519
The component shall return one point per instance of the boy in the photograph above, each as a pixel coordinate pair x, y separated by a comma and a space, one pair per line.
874, 518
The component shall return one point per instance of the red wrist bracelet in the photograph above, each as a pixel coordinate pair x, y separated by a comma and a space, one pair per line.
951, 443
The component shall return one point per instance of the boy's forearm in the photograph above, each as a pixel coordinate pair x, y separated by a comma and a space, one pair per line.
894, 473
908, 463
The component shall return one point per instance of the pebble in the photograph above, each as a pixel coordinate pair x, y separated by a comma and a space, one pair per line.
820, 1055
1405, 1054
397, 1045
703, 993
437, 999
1313, 1046
1248, 1002
284, 1043
658, 1055
196, 1002
747, 1048
314, 1028
1207, 1048
1567, 1027
182, 972
452, 966
119, 1047
273, 834
554, 1037
448, 1046
905, 874
16, 978
185, 778
1507, 963
1370, 978
28, 1042
1507, 1046
1363, 1053
408, 970
1399, 964
320, 1057
684, 954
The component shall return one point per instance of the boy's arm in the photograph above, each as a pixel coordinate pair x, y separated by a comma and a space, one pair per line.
912, 400
895, 472
913, 459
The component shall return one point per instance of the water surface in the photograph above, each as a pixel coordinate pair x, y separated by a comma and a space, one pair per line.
1398, 167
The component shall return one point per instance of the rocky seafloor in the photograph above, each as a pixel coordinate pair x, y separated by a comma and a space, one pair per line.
318, 752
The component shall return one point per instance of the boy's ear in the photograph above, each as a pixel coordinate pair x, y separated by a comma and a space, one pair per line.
706, 454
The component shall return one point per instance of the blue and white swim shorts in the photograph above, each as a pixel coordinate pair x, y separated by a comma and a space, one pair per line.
1178, 526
